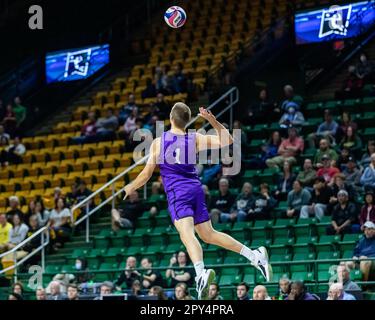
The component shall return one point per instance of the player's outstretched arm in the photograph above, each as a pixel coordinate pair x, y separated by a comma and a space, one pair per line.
223, 137
146, 173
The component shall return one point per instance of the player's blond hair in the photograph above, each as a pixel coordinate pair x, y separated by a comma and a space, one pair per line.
181, 115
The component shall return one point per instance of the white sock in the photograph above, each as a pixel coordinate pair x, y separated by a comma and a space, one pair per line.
199, 268
247, 253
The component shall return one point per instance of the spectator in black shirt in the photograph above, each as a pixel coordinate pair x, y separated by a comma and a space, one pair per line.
162, 106
82, 192
343, 215
319, 200
243, 291
264, 108
182, 274
129, 275
223, 202
14, 208
150, 277
127, 214
263, 205
340, 184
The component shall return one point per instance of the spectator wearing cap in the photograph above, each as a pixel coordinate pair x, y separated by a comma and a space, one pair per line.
343, 277
343, 215
292, 117
368, 210
365, 248
260, 293
328, 171
297, 198
14, 204
319, 200
324, 150
326, 130
243, 291
290, 96
289, 150
336, 292
368, 176
352, 173
308, 174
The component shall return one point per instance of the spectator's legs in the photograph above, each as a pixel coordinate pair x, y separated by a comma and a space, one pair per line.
241, 215
215, 215
330, 230
305, 210
118, 221
225, 217
319, 210
311, 140
275, 162
365, 267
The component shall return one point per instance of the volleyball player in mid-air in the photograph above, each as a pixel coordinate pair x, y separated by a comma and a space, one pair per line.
186, 200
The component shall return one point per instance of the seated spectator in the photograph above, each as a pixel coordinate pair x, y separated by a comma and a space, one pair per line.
181, 292
127, 109
319, 201
59, 223
243, 291
36, 241
81, 266
158, 292
366, 157
291, 117
72, 292
242, 205
264, 106
285, 182
298, 291
223, 202
268, 151
340, 184
343, 159
336, 292
150, 90
4, 146
343, 215
63, 279
106, 127
5, 228
214, 292
352, 142
150, 277
307, 175
352, 174
82, 193
126, 215
10, 121
324, 150
151, 124
88, 131
14, 203
41, 213
178, 80
288, 151
162, 80
209, 172
3, 134
328, 171
345, 123
136, 288
16, 151
352, 85
56, 293
182, 274
263, 205
162, 107
129, 275
19, 111
18, 288
297, 198
326, 130
130, 124
18, 232
290, 96
284, 289
40, 294
343, 277
368, 176
106, 288
365, 248
260, 293
365, 69
368, 209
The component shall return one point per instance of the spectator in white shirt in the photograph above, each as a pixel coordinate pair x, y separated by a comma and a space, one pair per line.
59, 221
16, 151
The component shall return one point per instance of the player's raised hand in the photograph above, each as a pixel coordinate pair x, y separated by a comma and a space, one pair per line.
128, 190
206, 114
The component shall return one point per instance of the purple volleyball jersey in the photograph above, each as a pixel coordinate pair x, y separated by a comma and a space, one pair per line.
180, 179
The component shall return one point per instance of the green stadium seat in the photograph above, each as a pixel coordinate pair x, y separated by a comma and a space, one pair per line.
303, 276
53, 269
347, 254
305, 240
356, 275
261, 224
227, 280
352, 237
67, 269
283, 223
113, 254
